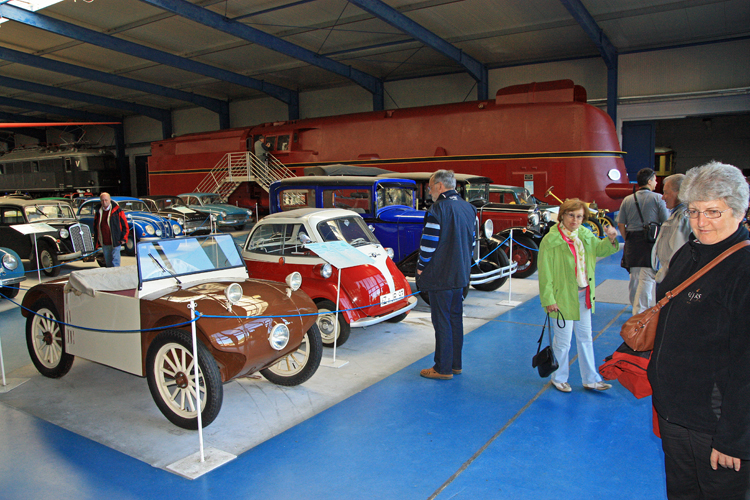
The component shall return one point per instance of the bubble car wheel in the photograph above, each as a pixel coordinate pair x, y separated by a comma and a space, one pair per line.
327, 325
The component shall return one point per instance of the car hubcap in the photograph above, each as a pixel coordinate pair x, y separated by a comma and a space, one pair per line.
327, 326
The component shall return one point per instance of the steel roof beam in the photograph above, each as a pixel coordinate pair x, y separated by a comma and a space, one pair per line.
15, 56
48, 108
396, 19
605, 47
75, 32
245, 32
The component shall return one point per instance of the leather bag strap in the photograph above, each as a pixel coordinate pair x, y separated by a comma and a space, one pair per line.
638, 206
544, 326
726, 253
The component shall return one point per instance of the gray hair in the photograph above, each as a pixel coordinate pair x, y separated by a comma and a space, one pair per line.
717, 181
446, 177
675, 181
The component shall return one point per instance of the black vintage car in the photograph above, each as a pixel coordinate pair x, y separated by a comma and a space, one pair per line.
68, 241
194, 222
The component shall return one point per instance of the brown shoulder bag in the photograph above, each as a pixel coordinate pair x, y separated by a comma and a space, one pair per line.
640, 330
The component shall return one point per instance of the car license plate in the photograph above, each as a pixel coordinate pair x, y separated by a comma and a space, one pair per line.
388, 298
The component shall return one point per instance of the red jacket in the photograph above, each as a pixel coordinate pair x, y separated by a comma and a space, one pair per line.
118, 226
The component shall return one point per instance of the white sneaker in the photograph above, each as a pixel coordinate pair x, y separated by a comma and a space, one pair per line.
562, 386
598, 386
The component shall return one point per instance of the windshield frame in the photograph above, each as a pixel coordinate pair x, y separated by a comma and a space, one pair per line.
332, 227
33, 213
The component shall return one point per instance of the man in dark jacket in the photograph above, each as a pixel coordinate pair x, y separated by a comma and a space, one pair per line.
444, 269
110, 230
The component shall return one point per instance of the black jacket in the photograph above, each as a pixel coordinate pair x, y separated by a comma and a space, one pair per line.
450, 264
700, 367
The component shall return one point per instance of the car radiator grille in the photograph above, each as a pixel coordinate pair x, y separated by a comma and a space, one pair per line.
80, 235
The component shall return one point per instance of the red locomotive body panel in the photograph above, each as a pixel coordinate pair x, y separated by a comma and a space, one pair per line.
541, 134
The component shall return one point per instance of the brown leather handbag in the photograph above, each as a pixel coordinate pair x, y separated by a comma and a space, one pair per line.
640, 330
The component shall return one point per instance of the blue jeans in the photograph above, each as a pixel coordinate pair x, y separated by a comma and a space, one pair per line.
446, 310
111, 255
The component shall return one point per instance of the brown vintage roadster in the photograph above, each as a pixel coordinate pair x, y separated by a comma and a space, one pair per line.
137, 319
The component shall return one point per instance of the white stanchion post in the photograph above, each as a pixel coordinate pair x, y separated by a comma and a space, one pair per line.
510, 302
257, 217
197, 378
333, 363
38, 264
2, 365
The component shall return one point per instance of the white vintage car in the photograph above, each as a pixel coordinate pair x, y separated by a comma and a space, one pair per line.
136, 319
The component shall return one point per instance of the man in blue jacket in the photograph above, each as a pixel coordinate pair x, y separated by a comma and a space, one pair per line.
444, 270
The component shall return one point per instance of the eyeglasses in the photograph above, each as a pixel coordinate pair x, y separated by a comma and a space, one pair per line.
573, 216
708, 214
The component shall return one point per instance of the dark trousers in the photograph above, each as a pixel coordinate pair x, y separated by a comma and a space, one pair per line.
446, 309
687, 465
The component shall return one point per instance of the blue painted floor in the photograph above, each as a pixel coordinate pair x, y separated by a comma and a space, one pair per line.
497, 431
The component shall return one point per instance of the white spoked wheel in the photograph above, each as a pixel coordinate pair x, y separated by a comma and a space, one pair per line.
171, 379
45, 340
298, 366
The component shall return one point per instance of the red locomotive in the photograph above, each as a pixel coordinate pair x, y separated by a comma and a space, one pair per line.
535, 135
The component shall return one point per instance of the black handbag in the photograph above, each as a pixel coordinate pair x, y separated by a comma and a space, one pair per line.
544, 360
650, 230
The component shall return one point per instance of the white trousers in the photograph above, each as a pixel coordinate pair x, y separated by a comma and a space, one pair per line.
642, 288
584, 344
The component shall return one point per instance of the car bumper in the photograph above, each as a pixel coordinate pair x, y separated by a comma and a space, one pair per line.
12, 281
374, 320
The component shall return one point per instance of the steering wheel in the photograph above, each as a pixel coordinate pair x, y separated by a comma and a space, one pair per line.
549, 190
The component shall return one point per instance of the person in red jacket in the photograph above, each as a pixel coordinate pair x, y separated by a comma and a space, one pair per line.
110, 230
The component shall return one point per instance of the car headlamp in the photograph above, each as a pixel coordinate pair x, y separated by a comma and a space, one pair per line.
533, 219
249, 212
64, 233
176, 229
279, 336
390, 252
222, 214
294, 281
10, 262
489, 228
233, 293
326, 270
150, 230
545, 216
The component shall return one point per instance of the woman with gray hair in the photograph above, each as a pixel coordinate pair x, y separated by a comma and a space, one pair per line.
700, 366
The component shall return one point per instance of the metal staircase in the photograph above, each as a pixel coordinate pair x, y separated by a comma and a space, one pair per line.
236, 168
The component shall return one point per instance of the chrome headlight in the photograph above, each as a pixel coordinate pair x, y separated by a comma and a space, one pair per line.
390, 252
614, 174
249, 212
294, 281
326, 270
222, 214
279, 336
545, 216
150, 229
64, 233
489, 228
10, 262
533, 219
233, 293
176, 229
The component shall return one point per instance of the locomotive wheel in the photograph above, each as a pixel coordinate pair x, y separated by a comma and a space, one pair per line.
297, 367
171, 379
45, 340
525, 253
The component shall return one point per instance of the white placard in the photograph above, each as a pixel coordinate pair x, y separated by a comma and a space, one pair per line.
184, 210
36, 227
340, 254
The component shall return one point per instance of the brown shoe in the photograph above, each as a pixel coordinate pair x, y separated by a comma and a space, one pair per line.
431, 373
457, 372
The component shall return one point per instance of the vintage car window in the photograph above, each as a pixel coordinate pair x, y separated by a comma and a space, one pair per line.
35, 213
297, 198
352, 229
389, 196
477, 192
12, 216
157, 259
152, 206
87, 209
132, 206
211, 199
356, 199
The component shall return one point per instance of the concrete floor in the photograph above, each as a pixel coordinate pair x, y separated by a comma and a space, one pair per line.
371, 429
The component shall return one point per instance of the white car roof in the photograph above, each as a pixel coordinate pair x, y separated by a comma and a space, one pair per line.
310, 215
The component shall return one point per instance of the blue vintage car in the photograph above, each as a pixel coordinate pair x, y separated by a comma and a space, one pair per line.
388, 207
148, 226
11, 273
224, 215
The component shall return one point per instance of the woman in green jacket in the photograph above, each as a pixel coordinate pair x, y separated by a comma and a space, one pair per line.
567, 262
